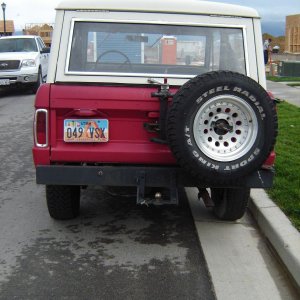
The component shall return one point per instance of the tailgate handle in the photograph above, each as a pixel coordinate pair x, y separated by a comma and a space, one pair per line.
86, 113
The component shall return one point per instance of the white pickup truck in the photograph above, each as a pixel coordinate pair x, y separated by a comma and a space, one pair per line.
23, 61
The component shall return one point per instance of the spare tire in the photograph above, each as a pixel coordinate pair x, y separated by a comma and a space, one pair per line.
221, 126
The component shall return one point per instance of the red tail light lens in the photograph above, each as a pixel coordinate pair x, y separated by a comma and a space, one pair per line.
269, 163
41, 128
273, 99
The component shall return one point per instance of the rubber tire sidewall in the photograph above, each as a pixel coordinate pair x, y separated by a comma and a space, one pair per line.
189, 99
230, 203
39, 82
63, 201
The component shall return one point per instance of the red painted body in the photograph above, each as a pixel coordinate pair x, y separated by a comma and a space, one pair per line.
126, 108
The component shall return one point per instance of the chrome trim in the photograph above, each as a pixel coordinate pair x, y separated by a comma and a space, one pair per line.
40, 110
246, 51
120, 74
69, 46
115, 74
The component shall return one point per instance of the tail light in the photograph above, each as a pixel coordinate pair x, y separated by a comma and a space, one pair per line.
269, 163
41, 128
271, 95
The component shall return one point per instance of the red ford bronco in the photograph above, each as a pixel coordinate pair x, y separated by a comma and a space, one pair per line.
155, 95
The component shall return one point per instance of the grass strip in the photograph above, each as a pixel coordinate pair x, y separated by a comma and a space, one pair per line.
283, 78
286, 190
293, 84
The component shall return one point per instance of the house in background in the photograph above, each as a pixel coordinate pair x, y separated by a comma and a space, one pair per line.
9, 26
292, 34
43, 30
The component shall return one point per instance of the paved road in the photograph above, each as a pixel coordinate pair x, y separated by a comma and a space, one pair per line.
115, 250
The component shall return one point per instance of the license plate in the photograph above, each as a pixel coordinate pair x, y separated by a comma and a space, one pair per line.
86, 131
4, 82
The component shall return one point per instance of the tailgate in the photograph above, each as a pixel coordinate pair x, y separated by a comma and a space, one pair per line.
126, 109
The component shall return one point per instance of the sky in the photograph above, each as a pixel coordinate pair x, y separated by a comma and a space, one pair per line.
273, 12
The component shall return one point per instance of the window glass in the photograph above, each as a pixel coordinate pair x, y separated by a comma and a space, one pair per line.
18, 45
155, 49
41, 43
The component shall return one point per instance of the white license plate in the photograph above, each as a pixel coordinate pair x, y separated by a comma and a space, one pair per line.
4, 82
86, 131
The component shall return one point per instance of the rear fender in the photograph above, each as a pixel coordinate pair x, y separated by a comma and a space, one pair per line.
42, 98
41, 155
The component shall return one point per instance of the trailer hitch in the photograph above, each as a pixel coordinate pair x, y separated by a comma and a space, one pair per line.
158, 198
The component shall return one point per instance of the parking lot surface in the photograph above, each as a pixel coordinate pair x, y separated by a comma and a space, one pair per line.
114, 250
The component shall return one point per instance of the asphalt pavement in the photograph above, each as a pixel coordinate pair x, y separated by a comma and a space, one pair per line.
116, 250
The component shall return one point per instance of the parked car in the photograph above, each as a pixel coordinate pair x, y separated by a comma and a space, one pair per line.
276, 49
23, 61
123, 106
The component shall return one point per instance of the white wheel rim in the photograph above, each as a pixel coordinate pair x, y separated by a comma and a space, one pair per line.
225, 128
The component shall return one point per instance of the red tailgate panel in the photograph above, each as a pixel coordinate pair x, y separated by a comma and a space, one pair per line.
126, 108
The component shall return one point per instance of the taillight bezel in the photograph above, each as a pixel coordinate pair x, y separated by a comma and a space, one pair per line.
45, 111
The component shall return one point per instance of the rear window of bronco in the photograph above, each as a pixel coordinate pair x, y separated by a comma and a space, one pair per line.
134, 49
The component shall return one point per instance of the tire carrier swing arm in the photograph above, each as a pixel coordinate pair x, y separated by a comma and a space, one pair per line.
163, 94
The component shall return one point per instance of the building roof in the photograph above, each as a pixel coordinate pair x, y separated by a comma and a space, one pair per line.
38, 26
9, 24
168, 6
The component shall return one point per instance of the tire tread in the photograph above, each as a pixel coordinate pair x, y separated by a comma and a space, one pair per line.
179, 102
63, 201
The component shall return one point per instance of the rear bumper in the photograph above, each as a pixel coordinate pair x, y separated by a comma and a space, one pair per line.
132, 175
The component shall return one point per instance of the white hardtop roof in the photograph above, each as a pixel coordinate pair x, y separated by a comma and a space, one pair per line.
163, 6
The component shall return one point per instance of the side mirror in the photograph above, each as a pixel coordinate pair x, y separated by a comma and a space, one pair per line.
45, 50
